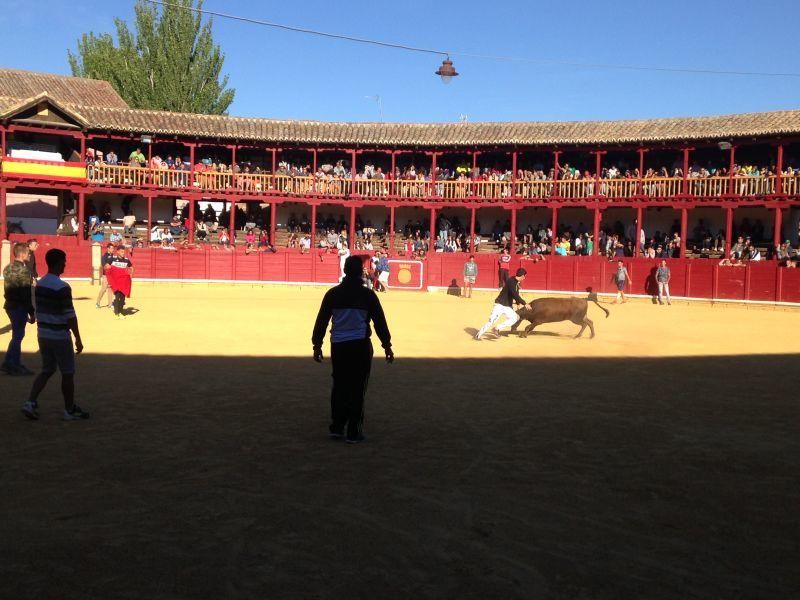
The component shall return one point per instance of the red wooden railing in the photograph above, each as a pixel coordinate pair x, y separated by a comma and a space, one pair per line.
227, 182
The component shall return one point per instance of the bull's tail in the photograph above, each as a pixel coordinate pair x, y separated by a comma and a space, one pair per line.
603, 308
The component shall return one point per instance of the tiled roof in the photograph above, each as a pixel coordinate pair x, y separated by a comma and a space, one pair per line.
447, 134
109, 116
67, 90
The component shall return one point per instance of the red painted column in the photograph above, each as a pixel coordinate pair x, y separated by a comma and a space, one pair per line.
83, 148
351, 236
732, 161
432, 231
472, 231
598, 215
273, 222
274, 168
232, 228
3, 142
313, 228
233, 166
637, 251
353, 169
149, 217
81, 216
391, 230
640, 184
513, 241
393, 190
685, 185
191, 221
555, 173
314, 172
779, 171
598, 170
3, 214
728, 231
513, 174
554, 227
684, 229
191, 167
778, 225
433, 174
473, 174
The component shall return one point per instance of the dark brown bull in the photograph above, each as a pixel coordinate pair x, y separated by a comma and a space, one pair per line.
552, 310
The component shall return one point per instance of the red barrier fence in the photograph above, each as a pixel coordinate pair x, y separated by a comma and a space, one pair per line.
691, 278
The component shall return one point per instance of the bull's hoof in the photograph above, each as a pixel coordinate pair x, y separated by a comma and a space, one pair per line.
523, 335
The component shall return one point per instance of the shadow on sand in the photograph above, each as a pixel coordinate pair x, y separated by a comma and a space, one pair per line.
508, 478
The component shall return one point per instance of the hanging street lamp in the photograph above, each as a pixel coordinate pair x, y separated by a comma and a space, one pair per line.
447, 71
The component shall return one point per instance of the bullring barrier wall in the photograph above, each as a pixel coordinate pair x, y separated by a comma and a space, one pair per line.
691, 278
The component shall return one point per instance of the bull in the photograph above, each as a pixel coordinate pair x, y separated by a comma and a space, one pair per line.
553, 310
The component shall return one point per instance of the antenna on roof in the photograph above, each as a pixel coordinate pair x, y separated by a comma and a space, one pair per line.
462, 118
377, 99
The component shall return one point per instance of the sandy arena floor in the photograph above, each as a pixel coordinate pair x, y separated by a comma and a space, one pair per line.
658, 460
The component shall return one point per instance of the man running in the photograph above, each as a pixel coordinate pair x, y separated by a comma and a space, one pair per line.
17, 282
56, 317
352, 306
504, 305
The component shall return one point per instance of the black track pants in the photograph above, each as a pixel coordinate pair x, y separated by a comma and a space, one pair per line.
351, 363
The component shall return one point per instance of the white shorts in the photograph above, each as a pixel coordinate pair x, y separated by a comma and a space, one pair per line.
384, 277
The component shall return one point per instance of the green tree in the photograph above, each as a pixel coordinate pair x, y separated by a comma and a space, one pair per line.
170, 63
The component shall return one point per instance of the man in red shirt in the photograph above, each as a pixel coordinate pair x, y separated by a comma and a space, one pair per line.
503, 263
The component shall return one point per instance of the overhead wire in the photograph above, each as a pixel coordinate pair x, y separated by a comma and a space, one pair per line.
409, 48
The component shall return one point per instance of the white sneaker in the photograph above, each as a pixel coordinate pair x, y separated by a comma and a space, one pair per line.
31, 410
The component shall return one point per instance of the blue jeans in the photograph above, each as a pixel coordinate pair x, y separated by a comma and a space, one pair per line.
18, 318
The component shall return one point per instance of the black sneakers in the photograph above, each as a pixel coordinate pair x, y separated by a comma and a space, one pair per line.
76, 413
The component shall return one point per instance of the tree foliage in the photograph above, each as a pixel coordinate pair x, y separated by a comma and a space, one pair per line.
170, 63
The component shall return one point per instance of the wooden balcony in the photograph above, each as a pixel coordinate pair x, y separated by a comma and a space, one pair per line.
412, 190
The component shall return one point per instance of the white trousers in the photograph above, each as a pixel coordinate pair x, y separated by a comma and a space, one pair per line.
509, 315
662, 289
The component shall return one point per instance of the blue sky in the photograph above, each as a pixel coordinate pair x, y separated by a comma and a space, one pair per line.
288, 75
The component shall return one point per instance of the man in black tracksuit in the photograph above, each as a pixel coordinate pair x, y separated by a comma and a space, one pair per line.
352, 306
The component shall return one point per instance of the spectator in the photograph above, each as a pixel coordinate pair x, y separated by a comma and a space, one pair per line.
503, 264
116, 237
17, 285
201, 230
383, 271
621, 277
662, 279
249, 240
129, 224
137, 159
155, 235
470, 275
222, 238
111, 158
33, 244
